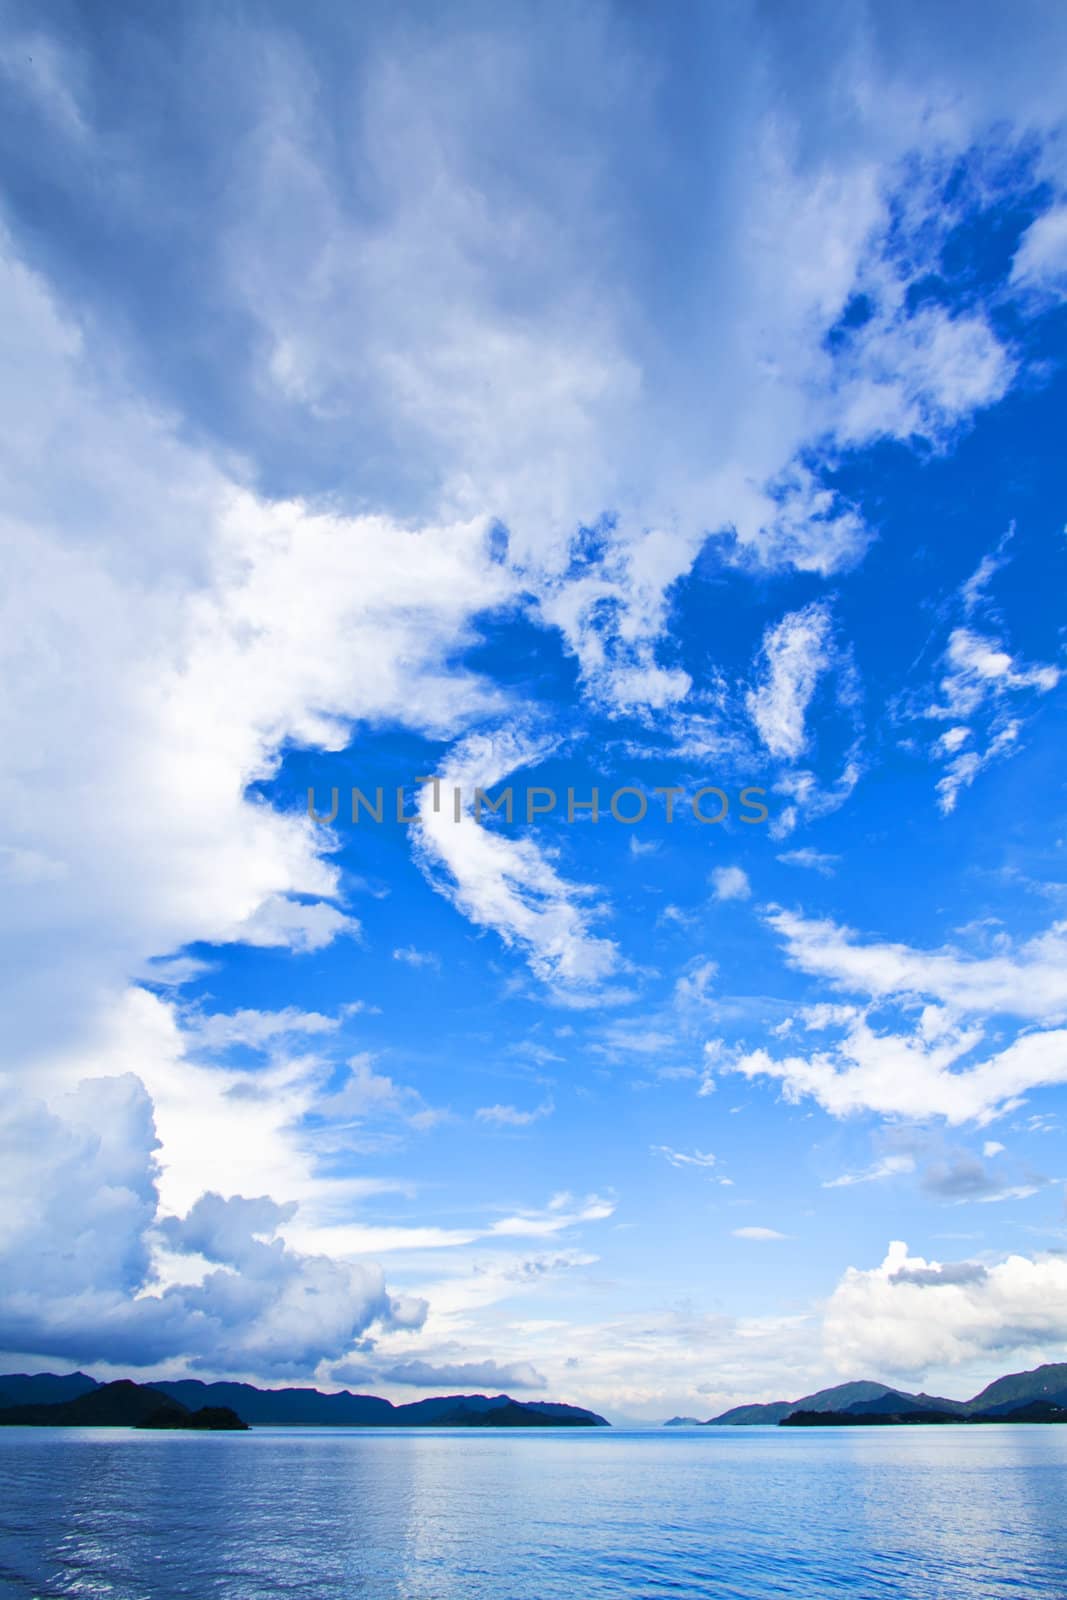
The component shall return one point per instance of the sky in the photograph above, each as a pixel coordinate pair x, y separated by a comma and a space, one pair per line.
461, 401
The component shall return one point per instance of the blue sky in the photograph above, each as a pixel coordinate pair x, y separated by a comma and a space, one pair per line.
559, 398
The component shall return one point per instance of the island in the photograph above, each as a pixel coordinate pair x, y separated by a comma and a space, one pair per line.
216, 1419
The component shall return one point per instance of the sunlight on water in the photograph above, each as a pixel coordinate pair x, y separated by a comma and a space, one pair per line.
731, 1514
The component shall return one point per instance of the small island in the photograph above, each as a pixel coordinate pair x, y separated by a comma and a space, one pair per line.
217, 1419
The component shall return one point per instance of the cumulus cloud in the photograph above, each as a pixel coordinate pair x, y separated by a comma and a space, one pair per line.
201, 575
196, 670
80, 1241
730, 883
908, 1314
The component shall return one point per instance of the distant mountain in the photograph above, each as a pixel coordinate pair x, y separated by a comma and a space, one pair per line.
867, 1419
514, 1414
43, 1388
856, 1417
77, 1395
269, 1408
842, 1397
1032, 1411
751, 1415
309, 1408
110, 1405
999, 1400
1043, 1383
683, 1422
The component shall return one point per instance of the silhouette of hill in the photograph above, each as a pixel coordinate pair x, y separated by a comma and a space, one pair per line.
867, 1419
1002, 1400
43, 1388
514, 1414
123, 1404
213, 1418
1032, 1411
81, 1402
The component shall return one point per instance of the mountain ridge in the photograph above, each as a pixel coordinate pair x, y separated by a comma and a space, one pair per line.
866, 1397
66, 1399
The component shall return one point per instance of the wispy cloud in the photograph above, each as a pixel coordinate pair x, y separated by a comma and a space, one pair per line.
796, 651
502, 1116
814, 860
887, 1167
683, 1158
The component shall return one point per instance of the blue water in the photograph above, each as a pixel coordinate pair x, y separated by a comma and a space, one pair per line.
966, 1513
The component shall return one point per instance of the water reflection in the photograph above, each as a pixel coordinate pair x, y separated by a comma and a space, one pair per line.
731, 1514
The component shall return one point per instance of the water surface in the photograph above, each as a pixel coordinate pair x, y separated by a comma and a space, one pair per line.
968, 1513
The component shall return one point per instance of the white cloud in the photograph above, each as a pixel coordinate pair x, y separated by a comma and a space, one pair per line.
730, 883
222, 627
814, 860
979, 675
977, 667
963, 769
221, 1030
909, 1314
795, 652
919, 373
1041, 259
366, 1094
169, 631
919, 1060
887, 1167
79, 1237
909, 1075
503, 880
512, 1117
691, 989
1027, 981
413, 957
563, 1211
683, 1158
759, 1235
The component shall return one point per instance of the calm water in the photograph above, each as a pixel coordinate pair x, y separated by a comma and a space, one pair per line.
964, 1513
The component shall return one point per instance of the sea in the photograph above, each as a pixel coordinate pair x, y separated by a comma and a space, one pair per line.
967, 1513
